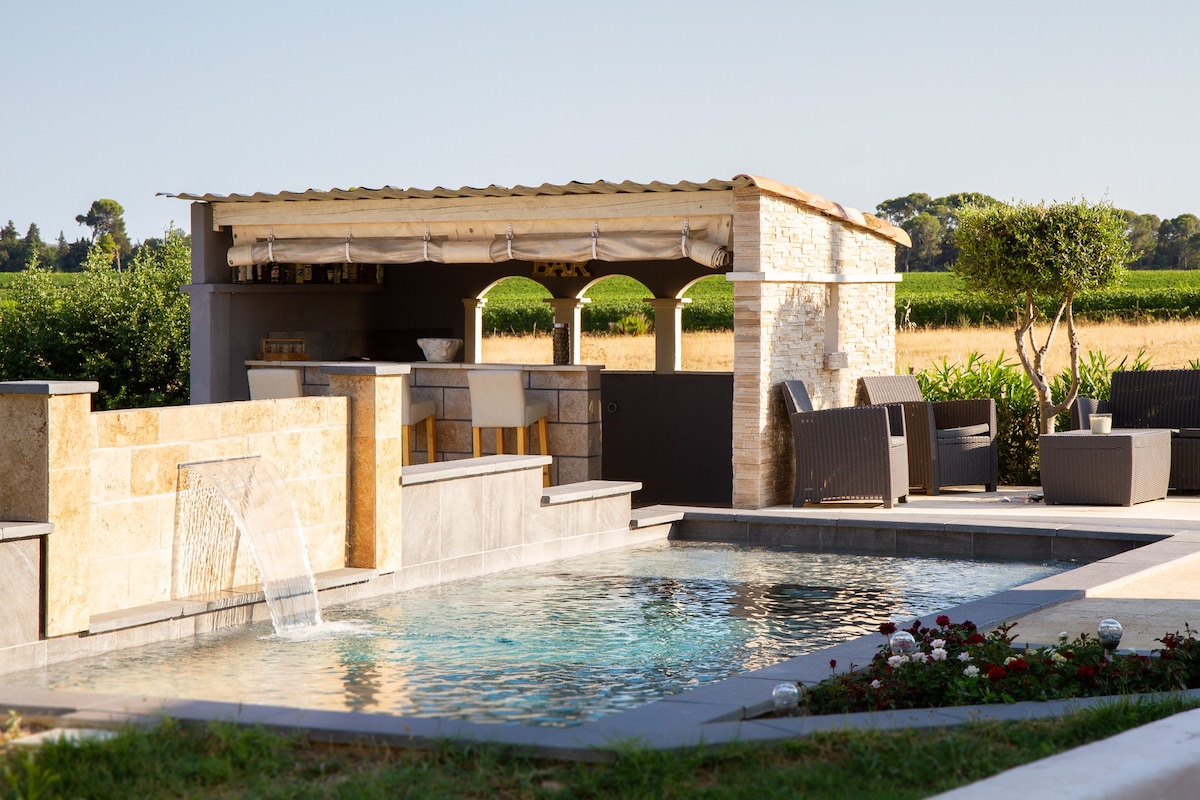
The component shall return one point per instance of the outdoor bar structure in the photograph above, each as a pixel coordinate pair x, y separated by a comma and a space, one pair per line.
364, 273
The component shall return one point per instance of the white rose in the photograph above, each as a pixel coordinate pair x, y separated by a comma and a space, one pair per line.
971, 671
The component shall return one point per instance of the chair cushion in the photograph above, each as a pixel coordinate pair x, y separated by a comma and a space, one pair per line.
981, 429
417, 411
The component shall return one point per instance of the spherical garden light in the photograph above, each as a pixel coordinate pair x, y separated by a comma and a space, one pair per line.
787, 699
902, 643
1109, 631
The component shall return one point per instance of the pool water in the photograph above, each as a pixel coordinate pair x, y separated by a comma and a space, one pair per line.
557, 644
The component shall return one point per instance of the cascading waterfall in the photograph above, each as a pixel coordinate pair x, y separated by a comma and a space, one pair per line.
252, 490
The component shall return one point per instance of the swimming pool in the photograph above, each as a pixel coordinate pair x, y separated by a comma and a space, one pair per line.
557, 644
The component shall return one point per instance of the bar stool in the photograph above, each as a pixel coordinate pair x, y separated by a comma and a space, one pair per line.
498, 401
410, 414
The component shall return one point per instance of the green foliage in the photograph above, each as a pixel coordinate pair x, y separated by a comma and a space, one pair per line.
1011, 252
633, 325
515, 306
930, 223
127, 330
934, 299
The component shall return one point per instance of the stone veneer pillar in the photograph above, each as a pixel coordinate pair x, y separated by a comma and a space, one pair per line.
813, 299
376, 392
45, 476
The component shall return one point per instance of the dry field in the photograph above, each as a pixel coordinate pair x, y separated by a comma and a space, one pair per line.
1168, 344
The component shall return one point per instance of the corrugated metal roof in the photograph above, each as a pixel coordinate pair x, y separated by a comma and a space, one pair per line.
441, 192
828, 207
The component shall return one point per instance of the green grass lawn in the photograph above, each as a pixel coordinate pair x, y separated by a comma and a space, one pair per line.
226, 761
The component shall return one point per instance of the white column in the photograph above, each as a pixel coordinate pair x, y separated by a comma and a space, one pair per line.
473, 330
668, 332
570, 311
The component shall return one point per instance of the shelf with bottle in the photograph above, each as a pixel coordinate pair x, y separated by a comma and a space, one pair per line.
297, 274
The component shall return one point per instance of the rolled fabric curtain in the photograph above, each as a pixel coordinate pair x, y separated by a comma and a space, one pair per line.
574, 248
472, 251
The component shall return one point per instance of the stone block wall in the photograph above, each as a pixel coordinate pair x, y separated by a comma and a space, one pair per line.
573, 423
813, 300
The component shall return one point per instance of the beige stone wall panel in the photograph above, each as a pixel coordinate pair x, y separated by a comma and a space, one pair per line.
189, 423
125, 428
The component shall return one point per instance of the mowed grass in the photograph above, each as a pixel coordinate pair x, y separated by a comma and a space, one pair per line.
226, 761
1169, 345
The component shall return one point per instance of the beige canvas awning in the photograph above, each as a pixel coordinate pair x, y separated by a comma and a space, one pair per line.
549, 247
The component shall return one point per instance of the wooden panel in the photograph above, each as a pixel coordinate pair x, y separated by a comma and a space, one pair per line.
672, 432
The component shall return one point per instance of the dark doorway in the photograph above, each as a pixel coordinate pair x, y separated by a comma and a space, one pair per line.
672, 432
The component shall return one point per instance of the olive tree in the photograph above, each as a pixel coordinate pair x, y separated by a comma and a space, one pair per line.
1026, 253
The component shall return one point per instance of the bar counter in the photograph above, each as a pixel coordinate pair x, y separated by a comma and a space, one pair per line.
573, 392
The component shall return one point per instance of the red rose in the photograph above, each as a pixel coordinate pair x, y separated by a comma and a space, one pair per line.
833, 663
996, 673
1019, 665
887, 628
943, 620
968, 625
975, 638
1085, 673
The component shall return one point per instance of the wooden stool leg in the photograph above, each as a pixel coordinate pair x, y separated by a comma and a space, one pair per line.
431, 438
522, 434
499, 441
477, 441
406, 434
545, 447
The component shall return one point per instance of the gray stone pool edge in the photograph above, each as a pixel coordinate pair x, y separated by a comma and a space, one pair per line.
728, 710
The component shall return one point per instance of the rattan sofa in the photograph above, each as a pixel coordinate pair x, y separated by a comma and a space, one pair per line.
1158, 398
846, 453
950, 442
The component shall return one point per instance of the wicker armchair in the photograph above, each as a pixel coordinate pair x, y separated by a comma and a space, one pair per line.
1157, 398
950, 442
846, 453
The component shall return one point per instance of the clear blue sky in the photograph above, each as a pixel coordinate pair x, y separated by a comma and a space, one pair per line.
858, 102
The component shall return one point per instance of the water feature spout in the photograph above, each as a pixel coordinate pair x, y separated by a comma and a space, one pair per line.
253, 491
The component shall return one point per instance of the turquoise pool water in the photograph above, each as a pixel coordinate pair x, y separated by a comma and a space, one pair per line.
557, 644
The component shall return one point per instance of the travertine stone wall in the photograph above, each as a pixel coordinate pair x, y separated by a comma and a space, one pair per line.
376, 393
44, 476
813, 300
107, 481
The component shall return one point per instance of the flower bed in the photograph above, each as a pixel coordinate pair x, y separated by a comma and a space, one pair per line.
954, 664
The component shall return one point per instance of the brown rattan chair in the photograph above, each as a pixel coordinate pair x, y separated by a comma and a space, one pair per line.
950, 442
846, 453
1156, 398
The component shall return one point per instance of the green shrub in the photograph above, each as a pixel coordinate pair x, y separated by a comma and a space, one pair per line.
129, 331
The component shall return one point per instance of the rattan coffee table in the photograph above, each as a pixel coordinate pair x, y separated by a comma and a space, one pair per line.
1127, 466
